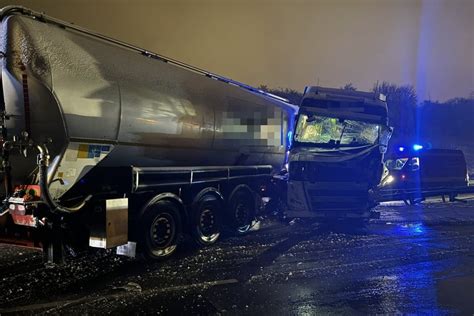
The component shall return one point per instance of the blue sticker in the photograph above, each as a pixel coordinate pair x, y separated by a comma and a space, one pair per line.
94, 151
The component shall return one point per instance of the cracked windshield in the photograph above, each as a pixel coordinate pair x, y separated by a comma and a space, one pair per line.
336, 132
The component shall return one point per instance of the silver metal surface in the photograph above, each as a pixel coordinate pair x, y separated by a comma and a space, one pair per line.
103, 101
112, 231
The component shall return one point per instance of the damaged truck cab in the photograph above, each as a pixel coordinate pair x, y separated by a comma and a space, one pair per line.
336, 159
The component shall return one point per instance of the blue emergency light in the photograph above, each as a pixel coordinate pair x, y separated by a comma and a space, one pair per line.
417, 147
290, 138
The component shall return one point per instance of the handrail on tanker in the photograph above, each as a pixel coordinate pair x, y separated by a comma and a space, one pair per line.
8, 10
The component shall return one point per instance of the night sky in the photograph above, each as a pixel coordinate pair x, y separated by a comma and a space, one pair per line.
293, 43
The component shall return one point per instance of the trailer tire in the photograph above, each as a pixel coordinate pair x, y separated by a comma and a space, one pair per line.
206, 220
161, 224
242, 211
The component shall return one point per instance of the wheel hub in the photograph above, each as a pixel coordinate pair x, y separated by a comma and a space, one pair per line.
242, 214
162, 230
207, 222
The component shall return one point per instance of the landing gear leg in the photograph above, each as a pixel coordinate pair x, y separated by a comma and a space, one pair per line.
53, 247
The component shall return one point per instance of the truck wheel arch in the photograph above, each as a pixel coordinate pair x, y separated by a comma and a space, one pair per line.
168, 196
209, 190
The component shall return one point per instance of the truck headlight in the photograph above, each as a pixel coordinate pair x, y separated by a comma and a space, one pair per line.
388, 180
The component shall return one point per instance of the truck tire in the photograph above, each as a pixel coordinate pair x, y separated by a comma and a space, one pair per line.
206, 220
242, 211
161, 230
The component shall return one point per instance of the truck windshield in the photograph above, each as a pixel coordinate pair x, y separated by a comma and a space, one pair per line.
335, 132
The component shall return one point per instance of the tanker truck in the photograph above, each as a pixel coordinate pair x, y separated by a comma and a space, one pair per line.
336, 159
109, 145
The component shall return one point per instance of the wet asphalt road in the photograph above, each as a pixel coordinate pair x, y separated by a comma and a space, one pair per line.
414, 259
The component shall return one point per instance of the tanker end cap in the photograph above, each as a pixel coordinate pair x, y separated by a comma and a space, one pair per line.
12, 9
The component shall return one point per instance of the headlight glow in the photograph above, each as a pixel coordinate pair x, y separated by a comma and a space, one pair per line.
389, 179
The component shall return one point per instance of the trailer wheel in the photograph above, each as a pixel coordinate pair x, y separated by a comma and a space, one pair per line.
161, 230
242, 207
206, 221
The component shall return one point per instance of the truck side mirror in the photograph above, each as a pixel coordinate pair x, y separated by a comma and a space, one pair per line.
385, 135
415, 164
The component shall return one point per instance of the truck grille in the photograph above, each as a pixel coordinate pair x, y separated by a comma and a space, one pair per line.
318, 172
344, 198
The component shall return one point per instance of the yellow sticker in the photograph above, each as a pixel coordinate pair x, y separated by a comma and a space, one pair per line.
83, 151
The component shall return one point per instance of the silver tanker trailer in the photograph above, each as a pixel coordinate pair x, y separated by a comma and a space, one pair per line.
107, 144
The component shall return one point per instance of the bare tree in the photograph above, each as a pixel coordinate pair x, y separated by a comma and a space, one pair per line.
291, 95
402, 105
349, 86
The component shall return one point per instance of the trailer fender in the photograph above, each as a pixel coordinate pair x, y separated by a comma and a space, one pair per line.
209, 190
175, 199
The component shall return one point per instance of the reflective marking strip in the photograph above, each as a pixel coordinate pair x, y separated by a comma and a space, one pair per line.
24, 220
